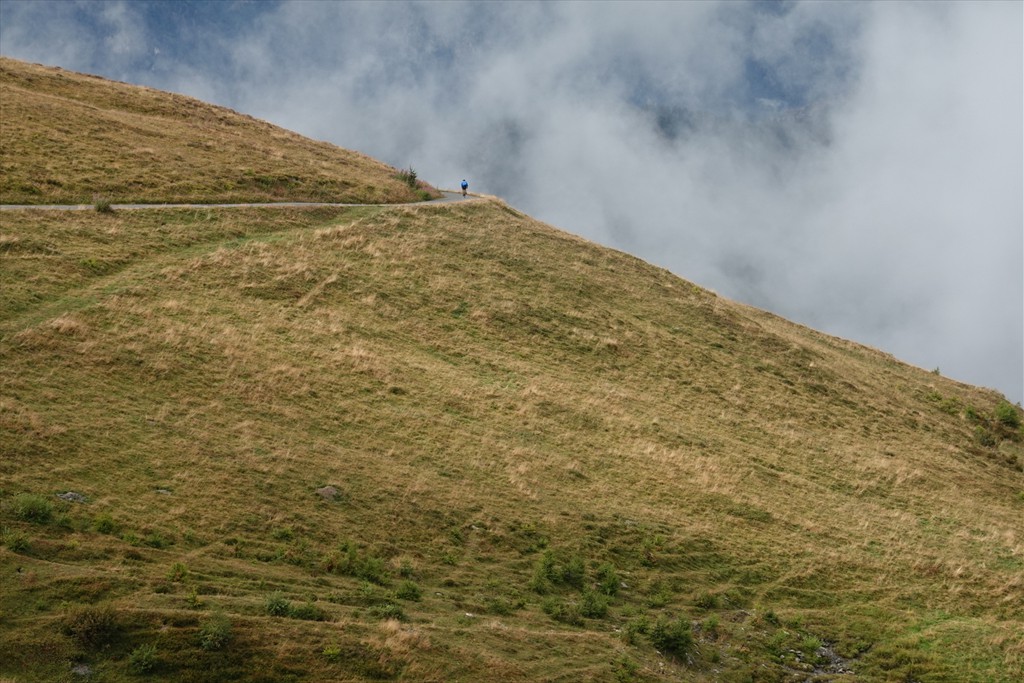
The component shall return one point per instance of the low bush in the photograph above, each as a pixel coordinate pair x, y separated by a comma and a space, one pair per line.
349, 562
178, 572
594, 605
373, 570
565, 612
156, 540
388, 610
142, 659
504, 605
672, 636
635, 627
408, 176
1007, 415
607, 579
215, 632
193, 600
277, 605
625, 669
308, 612
31, 507
984, 437
408, 590
707, 601
15, 541
104, 524
550, 571
92, 625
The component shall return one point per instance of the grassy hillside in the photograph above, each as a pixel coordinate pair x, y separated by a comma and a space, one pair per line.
451, 443
72, 138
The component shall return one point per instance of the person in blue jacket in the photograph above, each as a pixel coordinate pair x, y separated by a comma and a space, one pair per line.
465, 186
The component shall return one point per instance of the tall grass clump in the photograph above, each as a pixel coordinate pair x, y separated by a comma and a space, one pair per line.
31, 507
277, 605
92, 625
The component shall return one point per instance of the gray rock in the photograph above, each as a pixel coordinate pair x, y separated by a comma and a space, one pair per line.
328, 493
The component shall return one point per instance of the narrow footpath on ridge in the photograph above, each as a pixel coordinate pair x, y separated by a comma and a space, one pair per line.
447, 198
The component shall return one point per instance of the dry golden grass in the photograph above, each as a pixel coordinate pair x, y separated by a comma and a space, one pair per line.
73, 138
488, 396
471, 380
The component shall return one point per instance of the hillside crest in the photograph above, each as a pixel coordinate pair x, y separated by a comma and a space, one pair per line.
450, 442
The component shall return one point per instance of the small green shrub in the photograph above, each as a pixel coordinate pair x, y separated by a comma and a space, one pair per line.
193, 600
277, 605
984, 437
103, 206
674, 636
565, 612
31, 507
500, 606
779, 642
373, 570
659, 595
92, 625
155, 540
504, 605
594, 605
1007, 415
707, 601
574, 572
625, 669
15, 541
810, 646
388, 610
332, 653
408, 177
634, 627
607, 579
349, 562
215, 632
648, 549
142, 659
408, 590
178, 572
104, 524
549, 571
308, 612
543, 573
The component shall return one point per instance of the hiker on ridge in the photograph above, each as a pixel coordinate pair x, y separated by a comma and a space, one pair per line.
465, 186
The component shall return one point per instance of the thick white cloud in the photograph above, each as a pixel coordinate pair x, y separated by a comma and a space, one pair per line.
853, 166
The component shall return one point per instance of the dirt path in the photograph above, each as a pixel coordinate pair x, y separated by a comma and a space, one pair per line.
447, 198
